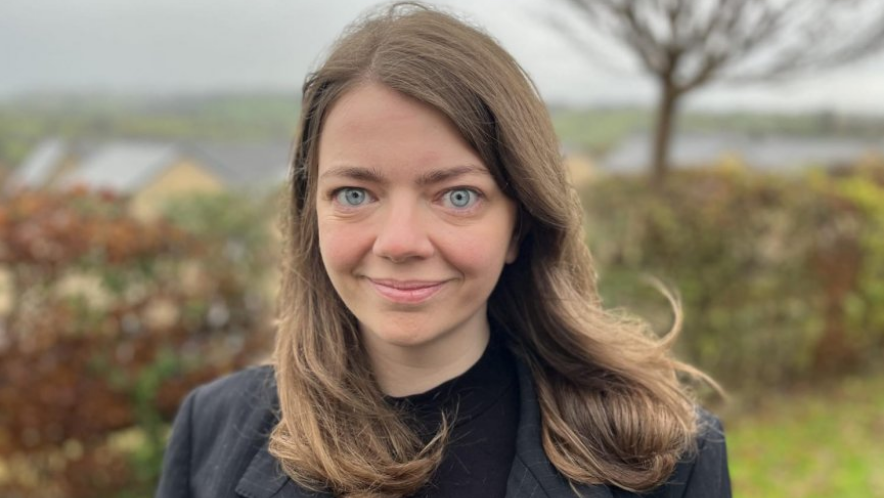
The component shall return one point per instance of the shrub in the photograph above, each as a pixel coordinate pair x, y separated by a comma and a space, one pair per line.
781, 277
110, 321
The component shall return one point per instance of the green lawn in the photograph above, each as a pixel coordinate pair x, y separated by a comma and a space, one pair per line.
824, 443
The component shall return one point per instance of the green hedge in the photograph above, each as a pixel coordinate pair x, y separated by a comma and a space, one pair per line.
782, 277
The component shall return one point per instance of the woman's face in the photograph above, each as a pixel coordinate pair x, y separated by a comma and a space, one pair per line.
413, 229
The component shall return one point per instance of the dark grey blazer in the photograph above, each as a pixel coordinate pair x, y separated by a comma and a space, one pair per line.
218, 449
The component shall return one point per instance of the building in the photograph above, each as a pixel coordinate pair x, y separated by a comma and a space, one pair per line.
769, 153
50, 160
149, 173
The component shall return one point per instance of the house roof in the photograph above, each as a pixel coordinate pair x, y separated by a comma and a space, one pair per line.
127, 166
123, 167
38, 167
245, 166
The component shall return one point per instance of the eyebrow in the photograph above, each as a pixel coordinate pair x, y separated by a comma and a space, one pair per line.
354, 173
429, 178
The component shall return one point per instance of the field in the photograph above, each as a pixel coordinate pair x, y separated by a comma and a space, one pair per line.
821, 443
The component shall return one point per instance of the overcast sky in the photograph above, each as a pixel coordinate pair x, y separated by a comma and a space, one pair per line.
172, 46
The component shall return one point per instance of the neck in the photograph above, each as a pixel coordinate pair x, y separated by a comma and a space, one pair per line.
406, 370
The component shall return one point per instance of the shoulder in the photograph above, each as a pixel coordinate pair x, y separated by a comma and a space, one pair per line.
230, 416
219, 428
703, 471
710, 434
250, 388
245, 399
710, 442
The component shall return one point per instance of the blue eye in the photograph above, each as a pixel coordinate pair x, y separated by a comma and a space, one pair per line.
351, 196
461, 198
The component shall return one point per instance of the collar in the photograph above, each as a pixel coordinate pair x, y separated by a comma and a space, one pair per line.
532, 474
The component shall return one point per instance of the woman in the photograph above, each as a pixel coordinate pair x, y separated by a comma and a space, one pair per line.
440, 331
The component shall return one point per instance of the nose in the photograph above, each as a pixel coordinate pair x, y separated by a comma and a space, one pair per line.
403, 234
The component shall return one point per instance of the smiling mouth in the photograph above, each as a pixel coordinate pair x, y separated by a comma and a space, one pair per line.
407, 291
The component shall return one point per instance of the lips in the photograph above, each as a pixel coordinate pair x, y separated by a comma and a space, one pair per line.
407, 291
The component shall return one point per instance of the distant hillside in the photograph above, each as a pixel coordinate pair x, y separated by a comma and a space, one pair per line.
597, 130
273, 116
229, 117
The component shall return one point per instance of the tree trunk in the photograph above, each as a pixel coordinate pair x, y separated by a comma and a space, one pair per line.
666, 110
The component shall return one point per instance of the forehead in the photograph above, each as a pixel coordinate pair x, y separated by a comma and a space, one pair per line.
375, 127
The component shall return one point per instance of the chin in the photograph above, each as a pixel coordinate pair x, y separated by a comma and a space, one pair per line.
403, 337
420, 331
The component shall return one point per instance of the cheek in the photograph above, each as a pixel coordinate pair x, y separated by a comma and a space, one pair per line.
337, 246
480, 252
482, 249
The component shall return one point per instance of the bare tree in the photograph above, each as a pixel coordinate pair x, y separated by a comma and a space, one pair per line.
686, 44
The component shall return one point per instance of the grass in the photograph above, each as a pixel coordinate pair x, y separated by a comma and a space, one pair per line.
817, 444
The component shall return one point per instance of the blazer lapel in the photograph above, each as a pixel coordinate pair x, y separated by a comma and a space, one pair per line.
532, 474
264, 478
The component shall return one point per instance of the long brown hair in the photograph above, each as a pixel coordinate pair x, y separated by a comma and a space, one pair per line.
613, 410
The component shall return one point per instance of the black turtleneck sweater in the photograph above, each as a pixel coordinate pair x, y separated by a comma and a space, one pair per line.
483, 402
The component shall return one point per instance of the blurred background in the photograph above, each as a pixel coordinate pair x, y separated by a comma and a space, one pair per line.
733, 149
